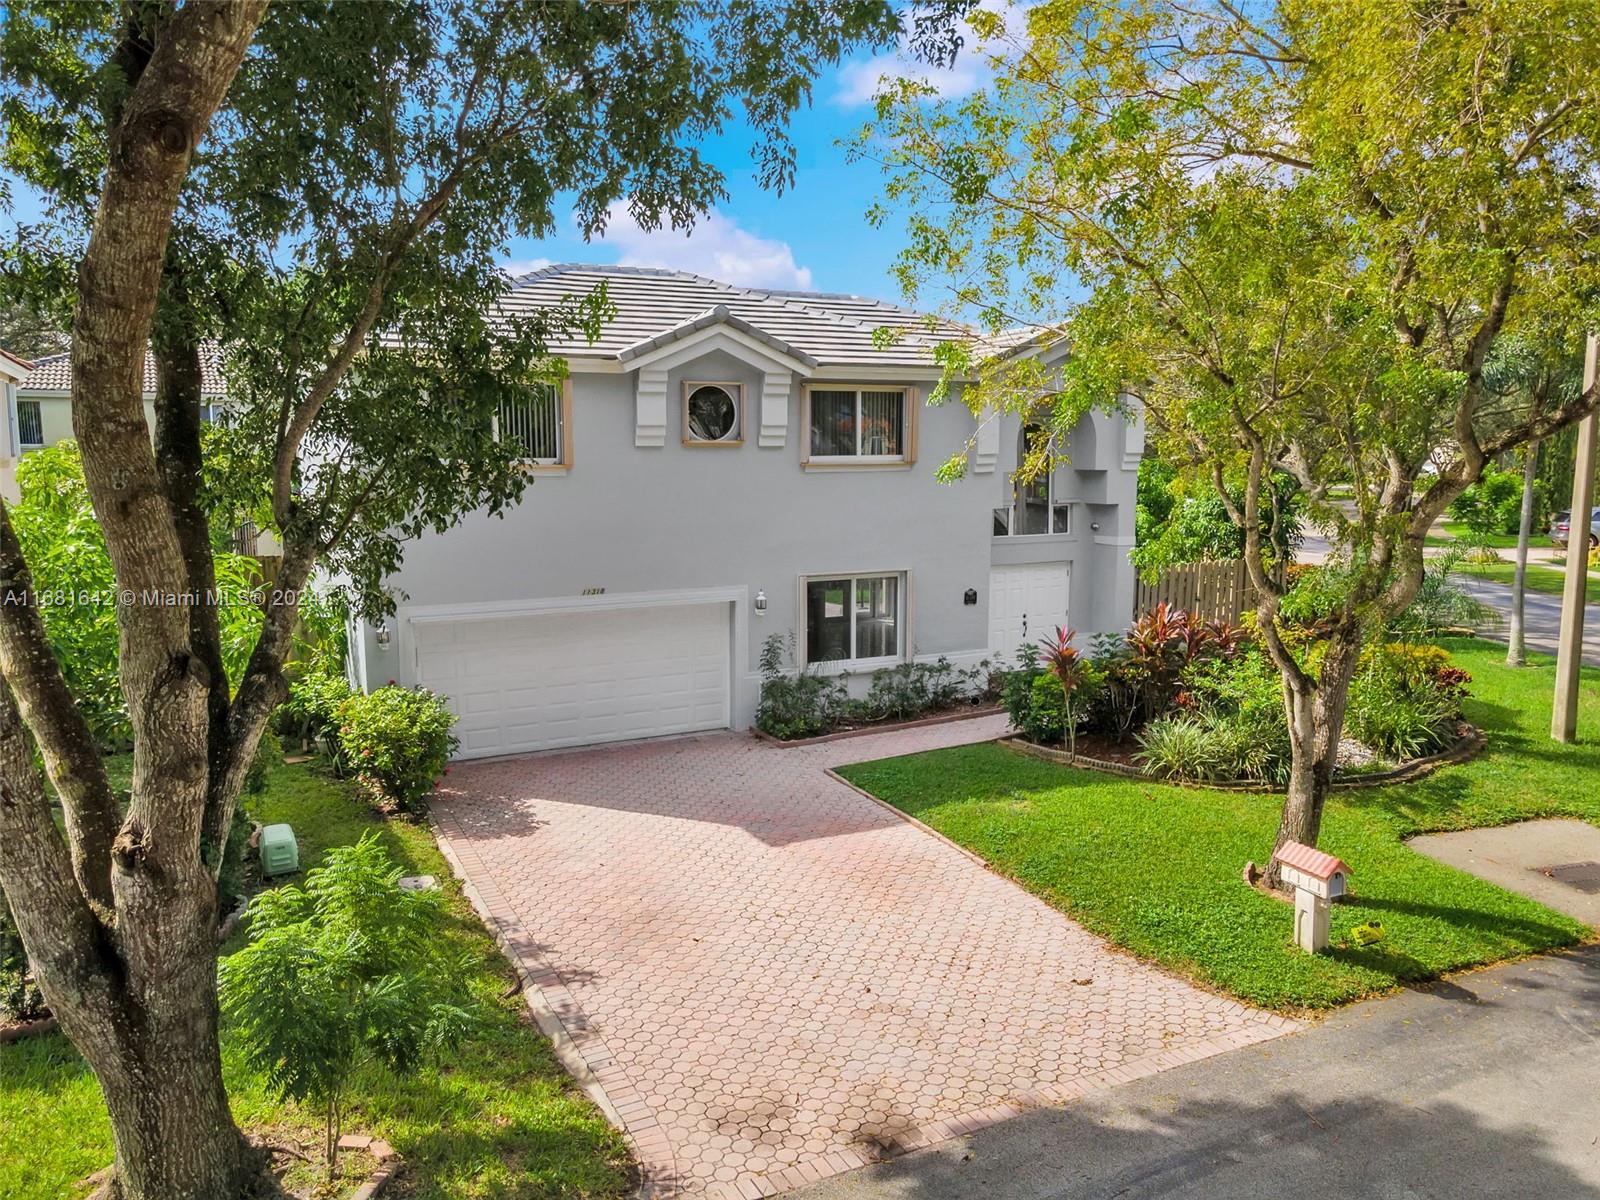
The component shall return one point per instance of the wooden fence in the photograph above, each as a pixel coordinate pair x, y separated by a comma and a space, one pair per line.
1219, 590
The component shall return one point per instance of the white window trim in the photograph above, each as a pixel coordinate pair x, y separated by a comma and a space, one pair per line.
39, 408
904, 458
838, 666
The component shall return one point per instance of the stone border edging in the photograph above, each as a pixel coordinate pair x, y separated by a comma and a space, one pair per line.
27, 1029
388, 1165
1467, 746
988, 710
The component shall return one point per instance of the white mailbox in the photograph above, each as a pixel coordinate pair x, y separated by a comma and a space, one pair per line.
1316, 879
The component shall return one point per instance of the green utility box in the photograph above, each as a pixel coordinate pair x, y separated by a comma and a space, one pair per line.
279, 853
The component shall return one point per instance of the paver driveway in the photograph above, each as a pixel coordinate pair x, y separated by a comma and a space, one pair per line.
774, 977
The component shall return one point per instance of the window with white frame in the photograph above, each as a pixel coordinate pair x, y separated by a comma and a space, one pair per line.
853, 619
532, 420
1036, 508
30, 424
858, 424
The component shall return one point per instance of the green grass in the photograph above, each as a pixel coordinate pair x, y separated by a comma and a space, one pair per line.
1455, 532
1541, 578
1156, 868
501, 1120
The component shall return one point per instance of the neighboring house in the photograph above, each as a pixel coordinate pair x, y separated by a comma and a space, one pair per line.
13, 370
39, 412
727, 464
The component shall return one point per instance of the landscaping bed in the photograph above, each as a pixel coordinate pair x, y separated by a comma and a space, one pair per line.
499, 1119
1156, 868
1190, 700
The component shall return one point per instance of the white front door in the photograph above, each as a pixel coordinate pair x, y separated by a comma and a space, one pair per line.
570, 679
1026, 602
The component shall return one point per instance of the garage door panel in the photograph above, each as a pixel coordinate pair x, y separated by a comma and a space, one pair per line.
570, 679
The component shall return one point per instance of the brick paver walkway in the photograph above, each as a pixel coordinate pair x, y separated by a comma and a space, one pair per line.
775, 978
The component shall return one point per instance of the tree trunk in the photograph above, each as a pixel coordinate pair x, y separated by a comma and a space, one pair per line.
1517, 649
1316, 723
161, 1074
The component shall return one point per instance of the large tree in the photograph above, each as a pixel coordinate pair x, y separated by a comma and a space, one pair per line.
323, 189
1301, 229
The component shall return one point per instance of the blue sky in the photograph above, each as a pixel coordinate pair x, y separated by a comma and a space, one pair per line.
814, 236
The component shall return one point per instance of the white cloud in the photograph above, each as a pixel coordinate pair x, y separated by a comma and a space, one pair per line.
715, 246
860, 80
518, 267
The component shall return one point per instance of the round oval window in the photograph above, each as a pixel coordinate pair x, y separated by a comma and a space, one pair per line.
713, 415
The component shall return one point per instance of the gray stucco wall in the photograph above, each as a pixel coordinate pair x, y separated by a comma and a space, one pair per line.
634, 519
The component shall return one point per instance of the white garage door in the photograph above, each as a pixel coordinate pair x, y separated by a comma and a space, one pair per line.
570, 679
1026, 602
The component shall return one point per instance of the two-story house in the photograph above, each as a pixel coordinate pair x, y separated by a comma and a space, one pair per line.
726, 464
723, 465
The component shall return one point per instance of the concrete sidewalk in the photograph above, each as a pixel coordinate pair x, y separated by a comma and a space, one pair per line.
1487, 1086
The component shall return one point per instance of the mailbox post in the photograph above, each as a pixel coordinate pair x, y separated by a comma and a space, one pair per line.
1316, 878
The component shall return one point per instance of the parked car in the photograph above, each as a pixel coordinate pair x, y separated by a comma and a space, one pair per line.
1561, 528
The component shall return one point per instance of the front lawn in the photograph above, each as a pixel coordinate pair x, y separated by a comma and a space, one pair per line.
501, 1120
1550, 580
1457, 531
1156, 868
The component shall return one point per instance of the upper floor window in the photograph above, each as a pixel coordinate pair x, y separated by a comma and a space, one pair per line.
712, 414
858, 424
536, 421
30, 424
1036, 508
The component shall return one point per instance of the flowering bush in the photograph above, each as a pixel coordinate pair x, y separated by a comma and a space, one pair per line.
397, 741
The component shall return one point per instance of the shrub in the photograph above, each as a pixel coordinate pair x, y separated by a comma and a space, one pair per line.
1044, 720
909, 690
311, 711
1076, 677
1177, 748
1494, 504
1241, 702
397, 741
806, 704
1397, 725
1441, 602
1016, 685
346, 970
20, 998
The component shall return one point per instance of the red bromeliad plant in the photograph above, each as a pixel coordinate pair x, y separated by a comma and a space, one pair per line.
1071, 670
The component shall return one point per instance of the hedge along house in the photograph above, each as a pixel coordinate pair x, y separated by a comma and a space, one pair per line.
726, 464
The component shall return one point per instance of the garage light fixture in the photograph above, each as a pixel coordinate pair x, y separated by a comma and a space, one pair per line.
382, 636
761, 603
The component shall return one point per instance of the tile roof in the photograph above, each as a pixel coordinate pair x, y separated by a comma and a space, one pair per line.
1310, 860
831, 329
14, 366
656, 306
53, 373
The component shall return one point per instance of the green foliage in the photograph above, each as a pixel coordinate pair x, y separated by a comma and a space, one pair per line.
1178, 747
1441, 602
343, 970
1405, 699
20, 999
807, 703
800, 705
311, 711
397, 741
1044, 718
1493, 505
910, 690
1172, 526
72, 574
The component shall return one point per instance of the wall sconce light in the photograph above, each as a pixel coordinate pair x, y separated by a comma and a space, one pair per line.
970, 597
1094, 526
761, 603
382, 636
